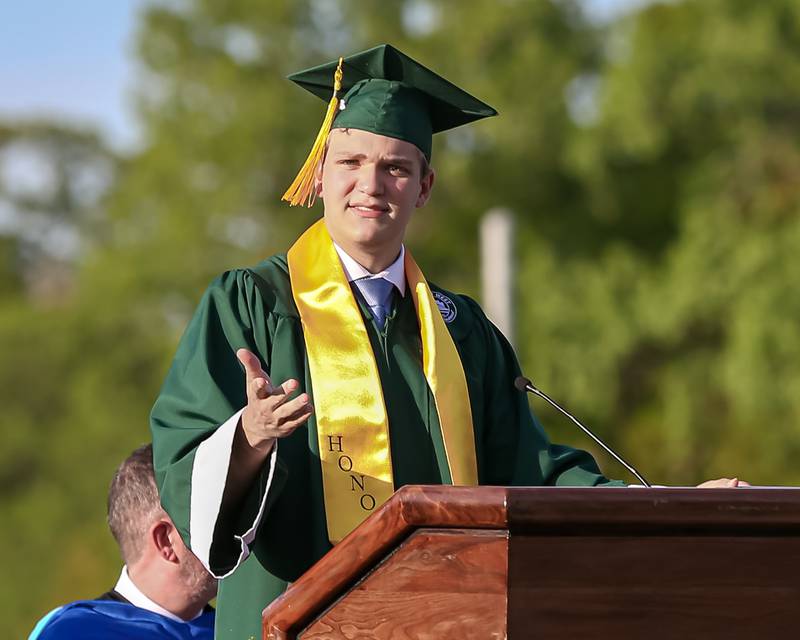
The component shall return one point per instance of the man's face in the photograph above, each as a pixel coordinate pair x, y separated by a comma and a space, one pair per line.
194, 576
371, 185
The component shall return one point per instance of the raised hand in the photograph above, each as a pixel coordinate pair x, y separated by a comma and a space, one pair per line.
270, 412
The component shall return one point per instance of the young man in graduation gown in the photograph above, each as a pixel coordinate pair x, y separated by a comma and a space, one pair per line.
308, 388
163, 590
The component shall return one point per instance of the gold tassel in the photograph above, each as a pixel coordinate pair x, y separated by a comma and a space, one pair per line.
302, 189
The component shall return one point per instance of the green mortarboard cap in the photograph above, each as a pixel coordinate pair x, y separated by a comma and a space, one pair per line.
388, 93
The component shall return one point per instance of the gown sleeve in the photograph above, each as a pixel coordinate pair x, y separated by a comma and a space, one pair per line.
196, 415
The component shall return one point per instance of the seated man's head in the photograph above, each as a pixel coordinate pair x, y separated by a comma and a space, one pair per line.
158, 561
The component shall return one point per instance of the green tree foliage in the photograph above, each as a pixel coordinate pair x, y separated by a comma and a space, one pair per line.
53, 371
686, 345
653, 165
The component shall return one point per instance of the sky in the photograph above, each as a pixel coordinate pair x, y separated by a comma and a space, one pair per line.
69, 60
74, 61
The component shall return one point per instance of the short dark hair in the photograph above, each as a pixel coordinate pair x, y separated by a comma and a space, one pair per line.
133, 502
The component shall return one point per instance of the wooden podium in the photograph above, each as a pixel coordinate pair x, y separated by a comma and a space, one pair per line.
517, 563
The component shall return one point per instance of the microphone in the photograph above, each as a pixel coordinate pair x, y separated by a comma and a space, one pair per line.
525, 385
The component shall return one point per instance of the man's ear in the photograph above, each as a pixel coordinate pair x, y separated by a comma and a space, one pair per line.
318, 178
426, 184
161, 534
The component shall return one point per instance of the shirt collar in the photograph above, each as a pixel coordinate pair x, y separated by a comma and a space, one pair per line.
128, 590
394, 273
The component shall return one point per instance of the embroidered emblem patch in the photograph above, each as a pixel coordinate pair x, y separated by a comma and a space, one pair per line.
446, 306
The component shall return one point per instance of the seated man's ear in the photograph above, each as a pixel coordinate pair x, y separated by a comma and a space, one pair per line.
162, 535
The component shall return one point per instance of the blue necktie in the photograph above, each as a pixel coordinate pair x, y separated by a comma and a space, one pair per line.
378, 294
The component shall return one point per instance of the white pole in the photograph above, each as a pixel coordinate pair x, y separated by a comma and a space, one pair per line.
497, 275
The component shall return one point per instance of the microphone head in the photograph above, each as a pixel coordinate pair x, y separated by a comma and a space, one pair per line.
522, 383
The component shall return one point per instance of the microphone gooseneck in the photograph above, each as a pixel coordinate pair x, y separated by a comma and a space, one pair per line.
525, 385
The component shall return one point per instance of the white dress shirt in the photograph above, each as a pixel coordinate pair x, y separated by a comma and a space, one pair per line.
394, 273
132, 594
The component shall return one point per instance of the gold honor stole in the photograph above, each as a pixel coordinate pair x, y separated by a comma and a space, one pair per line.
352, 425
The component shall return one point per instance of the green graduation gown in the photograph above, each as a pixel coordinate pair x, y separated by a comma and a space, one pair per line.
281, 531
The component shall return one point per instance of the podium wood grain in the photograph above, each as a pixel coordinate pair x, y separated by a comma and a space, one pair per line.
438, 584
542, 563
410, 509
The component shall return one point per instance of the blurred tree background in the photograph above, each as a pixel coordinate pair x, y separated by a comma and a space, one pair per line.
653, 165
